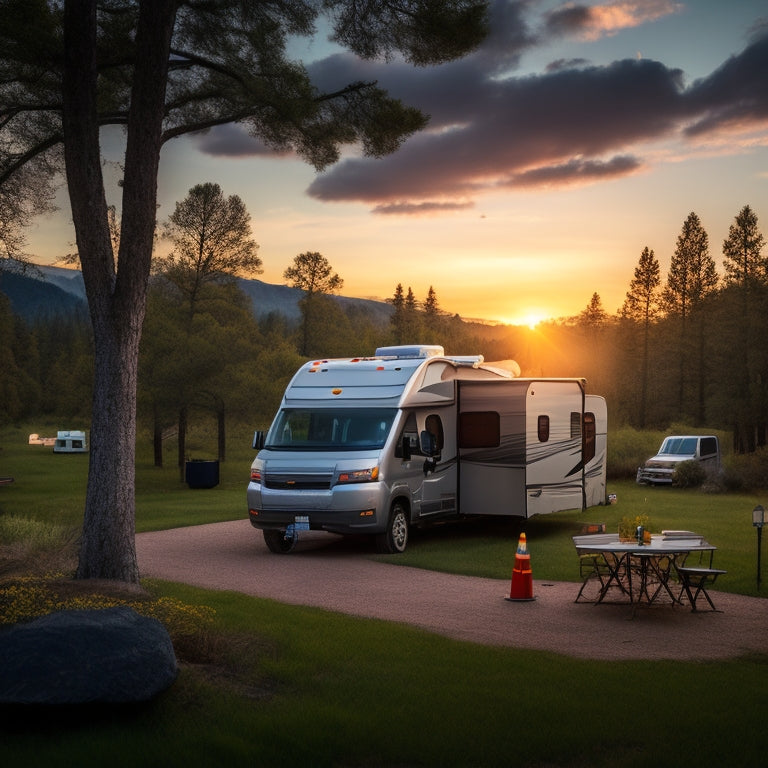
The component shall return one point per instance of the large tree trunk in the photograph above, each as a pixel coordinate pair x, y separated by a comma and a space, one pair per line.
116, 296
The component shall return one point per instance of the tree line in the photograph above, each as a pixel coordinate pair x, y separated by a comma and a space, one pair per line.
686, 349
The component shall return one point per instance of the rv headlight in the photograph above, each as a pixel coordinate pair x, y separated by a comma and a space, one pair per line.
369, 475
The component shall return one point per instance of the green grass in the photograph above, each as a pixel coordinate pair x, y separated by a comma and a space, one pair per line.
306, 687
297, 686
50, 488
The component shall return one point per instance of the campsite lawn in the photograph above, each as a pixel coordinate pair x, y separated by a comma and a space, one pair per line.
50, 488
294, 686
299, 686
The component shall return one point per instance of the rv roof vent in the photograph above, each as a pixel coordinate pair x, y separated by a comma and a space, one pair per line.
410, 351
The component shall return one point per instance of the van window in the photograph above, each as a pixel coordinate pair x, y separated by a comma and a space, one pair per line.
588, 440
543, 428
479, 429
708, 446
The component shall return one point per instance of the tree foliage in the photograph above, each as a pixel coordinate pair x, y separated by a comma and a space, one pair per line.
161, 69
744, 262
312, 273
212, 242
46, 364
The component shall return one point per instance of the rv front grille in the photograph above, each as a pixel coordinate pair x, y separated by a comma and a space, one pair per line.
297, 482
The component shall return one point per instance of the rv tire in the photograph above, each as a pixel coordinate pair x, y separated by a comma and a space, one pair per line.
394, 540
279, 542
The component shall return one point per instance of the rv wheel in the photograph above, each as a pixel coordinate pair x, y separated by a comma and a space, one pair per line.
279, 542
395, 539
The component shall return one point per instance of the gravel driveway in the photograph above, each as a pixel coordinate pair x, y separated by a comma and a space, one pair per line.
337, 574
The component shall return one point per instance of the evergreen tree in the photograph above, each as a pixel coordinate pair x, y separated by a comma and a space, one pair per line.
692, 278
593, 316
212, 242
744, 262
411, 319
312, 273
398, 315
161, 69
432, 325
641, 306
212, 245
746, 279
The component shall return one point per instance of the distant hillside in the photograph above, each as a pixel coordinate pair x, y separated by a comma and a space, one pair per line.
32, 298
55, 290
267, 298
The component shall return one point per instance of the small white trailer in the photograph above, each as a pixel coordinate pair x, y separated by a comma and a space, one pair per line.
409, 436
70, 441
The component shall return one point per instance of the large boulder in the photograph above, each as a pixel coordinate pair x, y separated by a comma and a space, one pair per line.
75, 657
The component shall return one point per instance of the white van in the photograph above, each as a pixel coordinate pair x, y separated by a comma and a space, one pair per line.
676, 449
373, 445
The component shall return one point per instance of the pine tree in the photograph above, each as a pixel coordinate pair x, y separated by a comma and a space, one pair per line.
744, 263
746, 275
398, 316
642, 306
692, 278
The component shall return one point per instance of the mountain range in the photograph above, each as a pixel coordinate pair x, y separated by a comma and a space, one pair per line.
51, 291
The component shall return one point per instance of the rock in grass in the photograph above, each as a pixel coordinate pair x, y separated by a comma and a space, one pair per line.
112, 655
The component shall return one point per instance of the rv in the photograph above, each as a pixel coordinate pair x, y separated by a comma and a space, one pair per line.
374, 445
70, 442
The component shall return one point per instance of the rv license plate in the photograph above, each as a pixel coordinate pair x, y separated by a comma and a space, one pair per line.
301, 523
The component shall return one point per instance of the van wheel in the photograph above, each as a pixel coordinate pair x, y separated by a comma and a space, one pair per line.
395, 539
279, 542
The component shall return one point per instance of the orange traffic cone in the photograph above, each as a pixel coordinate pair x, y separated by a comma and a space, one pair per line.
522, 576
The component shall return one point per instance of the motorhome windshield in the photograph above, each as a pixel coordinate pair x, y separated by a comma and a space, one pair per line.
323, 429
679, 446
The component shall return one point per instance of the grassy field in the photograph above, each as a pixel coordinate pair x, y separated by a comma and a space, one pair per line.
279, 685
50, 488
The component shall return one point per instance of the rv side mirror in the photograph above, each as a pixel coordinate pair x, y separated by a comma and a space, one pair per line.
258, 440
405, 449
428, 443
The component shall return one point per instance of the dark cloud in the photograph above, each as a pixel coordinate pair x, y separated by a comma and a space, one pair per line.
568, 20
559, 64
233, 140
735, 94
421, 208
576, 172
486, 132
505, 128
574, 123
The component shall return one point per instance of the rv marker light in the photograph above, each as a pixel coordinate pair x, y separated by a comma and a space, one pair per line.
336, 391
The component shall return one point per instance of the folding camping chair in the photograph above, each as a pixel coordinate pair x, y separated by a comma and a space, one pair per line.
694, 582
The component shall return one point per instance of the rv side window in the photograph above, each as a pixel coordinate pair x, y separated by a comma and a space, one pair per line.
411, 431
479, 429
434, 425
543, 428
588, 446
575, 424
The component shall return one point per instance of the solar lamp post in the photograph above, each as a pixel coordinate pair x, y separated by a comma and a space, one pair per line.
758, 520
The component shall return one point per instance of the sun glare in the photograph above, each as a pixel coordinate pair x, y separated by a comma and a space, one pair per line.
531, 320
